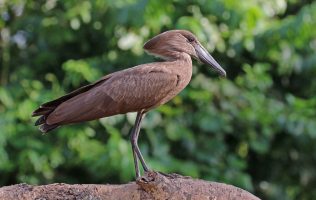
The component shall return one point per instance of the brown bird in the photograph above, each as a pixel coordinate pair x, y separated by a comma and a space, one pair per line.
137, 89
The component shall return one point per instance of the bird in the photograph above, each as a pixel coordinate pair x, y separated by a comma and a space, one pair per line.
137, 89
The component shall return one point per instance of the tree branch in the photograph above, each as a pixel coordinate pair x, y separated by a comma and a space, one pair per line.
152, 185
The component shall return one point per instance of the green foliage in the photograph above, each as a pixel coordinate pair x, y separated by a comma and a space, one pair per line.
256, 129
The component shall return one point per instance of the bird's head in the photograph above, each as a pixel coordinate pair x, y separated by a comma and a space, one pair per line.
168, 45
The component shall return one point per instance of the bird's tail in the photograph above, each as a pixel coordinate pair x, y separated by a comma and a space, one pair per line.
44, 111
46, 127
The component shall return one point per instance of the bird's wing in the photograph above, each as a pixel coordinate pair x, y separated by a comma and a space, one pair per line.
48, 107
126, 91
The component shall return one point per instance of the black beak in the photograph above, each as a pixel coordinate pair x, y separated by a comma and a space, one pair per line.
206, 58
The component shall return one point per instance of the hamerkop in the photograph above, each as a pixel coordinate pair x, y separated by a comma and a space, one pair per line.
137, 89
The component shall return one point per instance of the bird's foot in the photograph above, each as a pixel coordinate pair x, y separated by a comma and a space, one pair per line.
173, 175
151, 177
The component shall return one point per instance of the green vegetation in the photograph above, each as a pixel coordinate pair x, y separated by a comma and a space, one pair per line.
256, 129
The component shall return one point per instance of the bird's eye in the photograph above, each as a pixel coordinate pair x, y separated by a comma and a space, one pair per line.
190, 39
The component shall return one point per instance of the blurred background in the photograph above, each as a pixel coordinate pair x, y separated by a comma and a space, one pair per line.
255, 130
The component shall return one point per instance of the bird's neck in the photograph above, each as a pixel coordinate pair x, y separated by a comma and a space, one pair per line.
185, 58
170, 55
177, 57
184, 63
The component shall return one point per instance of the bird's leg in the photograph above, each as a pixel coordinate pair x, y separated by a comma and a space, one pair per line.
138, 152
135, 148
134, 153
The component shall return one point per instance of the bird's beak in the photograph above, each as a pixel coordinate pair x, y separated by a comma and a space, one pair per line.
206, 58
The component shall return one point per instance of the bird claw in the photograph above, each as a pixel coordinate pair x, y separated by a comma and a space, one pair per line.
173, 175
150, 176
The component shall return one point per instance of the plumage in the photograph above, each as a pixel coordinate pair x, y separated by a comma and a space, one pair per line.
137, 89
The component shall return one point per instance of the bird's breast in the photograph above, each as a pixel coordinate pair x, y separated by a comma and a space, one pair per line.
182, 69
